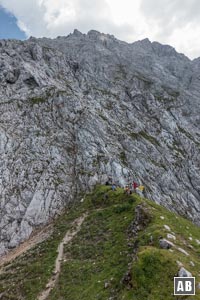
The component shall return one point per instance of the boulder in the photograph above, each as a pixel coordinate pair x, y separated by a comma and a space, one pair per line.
167, 227
171, 236
183, 251
165, 244
184, 273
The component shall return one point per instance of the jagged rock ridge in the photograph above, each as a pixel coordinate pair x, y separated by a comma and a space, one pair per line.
79, 108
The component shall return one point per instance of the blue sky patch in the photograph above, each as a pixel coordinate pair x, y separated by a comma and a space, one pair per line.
8, 26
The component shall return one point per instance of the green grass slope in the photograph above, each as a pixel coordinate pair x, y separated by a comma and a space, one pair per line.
114, 256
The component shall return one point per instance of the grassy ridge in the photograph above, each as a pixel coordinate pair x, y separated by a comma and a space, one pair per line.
103, 252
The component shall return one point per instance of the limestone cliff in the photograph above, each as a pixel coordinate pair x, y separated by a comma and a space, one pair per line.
76, 109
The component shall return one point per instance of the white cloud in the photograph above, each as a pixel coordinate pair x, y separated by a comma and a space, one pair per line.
170, 22
176, 22
29, 15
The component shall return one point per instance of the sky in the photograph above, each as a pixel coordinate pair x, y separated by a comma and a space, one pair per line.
8, 26
173, 22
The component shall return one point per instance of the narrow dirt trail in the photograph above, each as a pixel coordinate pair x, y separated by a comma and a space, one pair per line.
68, 237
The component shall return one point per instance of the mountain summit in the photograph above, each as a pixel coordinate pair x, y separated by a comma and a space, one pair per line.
77, 109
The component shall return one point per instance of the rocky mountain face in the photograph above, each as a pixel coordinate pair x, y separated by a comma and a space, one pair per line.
77, 109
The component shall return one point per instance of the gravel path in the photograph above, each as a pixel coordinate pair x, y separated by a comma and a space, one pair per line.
68, 237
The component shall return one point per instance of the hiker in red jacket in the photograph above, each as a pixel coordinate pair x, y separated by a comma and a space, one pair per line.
135, 185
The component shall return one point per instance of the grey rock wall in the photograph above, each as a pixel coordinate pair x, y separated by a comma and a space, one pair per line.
76, 109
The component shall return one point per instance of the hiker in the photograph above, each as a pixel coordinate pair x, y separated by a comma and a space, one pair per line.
128, 191
135, 185
141, 188
125, 189
114, 187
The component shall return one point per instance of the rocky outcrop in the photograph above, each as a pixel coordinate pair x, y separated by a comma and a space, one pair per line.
141, 220
77, 109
